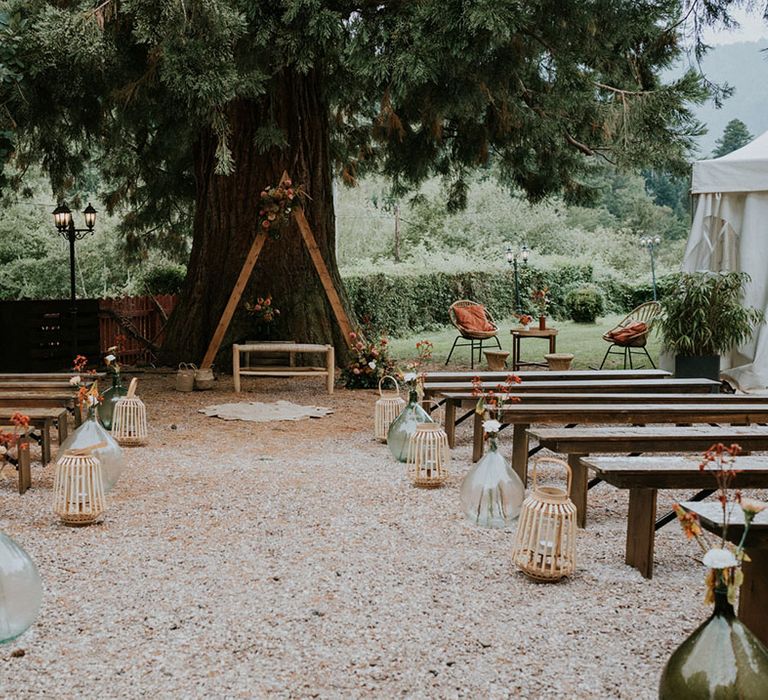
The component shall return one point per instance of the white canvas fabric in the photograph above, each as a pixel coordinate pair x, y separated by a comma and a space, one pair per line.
730, 233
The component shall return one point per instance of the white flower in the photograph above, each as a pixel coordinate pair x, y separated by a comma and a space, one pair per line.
717, 558
3, 449
93, 400
75, 381
752, 507
410, 377
372, 364
109, 358
491, 426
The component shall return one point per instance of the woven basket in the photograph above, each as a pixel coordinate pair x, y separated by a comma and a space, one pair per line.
129, 423
185, 377
428, 455
78, 490
387, 408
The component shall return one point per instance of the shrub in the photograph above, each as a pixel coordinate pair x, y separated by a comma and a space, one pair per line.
162, 278
585, 303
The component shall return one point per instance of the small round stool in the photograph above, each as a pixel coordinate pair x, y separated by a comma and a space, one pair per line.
559, 360
497, 359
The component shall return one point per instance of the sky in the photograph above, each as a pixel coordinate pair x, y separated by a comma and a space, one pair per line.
752, 28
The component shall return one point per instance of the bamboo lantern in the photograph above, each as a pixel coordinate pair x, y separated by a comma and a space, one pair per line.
129, 424
387, 409
428, 455
78, 491
545, 544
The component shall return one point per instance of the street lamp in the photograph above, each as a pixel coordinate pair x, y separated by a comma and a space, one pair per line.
651, 243
512, 260
65, 225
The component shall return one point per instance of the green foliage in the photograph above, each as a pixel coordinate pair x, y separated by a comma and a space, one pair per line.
161, 278
585, 303
735, 135
703, 313
414, 303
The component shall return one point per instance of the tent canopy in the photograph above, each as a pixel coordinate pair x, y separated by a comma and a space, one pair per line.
744, 170
730, 233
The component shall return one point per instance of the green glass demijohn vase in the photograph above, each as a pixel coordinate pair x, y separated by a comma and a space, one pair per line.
110, 398
721, 660
405, 425
21, 590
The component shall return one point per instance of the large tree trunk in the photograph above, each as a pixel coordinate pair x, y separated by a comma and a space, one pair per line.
226, 218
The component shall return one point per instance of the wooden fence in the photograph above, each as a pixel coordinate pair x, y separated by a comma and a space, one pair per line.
136, 324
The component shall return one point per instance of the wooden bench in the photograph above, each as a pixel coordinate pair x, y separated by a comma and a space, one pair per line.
43, 420
328, 371
572, 375
522, 415
64, 377
643, 476
753, 595
22, 464
577, 443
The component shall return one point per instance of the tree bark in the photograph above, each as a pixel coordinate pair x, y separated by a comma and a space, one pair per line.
225, 224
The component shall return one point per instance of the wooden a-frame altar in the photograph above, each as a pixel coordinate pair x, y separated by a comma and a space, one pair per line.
245, 274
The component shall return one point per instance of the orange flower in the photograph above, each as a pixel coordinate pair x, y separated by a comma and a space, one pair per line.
20, 420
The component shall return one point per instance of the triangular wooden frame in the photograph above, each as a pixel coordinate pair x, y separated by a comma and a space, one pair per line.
245, 274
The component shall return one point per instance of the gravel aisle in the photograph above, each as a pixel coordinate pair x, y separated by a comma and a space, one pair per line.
295, 560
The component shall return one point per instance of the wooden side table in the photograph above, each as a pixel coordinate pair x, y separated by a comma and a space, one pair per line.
519, 333
753, 596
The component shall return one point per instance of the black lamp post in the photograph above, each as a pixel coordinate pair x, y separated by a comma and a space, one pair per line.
65, 225
512, 260
651, 243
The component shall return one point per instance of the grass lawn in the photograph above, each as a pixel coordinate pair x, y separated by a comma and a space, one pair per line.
584, 340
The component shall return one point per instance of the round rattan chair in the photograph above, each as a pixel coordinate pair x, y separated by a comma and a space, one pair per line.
645, 313
476, 338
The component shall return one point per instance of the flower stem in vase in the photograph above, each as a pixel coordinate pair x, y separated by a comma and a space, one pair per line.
542, 323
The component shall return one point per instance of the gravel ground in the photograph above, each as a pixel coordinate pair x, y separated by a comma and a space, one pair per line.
295, 559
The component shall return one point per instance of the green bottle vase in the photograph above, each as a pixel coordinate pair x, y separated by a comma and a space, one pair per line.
721, 660
405, 425
111, 396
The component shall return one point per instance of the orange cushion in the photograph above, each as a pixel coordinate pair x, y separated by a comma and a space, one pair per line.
473, 318
631, 330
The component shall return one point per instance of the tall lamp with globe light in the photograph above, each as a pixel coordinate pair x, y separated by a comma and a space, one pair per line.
652, 243
512, 257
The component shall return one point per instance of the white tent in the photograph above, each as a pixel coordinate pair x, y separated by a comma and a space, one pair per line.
730, 232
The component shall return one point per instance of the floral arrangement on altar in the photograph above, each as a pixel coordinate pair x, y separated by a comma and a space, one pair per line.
540, 300
275, 205
370, 363
493, 401
262, 309
722, 558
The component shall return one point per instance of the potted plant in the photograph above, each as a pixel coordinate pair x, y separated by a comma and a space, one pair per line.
703, 317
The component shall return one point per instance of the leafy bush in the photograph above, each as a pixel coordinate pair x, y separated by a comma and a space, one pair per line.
703, 313
585, 303
162, 278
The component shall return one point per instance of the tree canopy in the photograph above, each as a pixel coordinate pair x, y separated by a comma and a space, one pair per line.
735, 135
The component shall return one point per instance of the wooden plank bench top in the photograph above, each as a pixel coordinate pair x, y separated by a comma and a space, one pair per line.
549, 375
39, 386
43, 376
327, 371
432, 387
556, 397
643, 476
753, 595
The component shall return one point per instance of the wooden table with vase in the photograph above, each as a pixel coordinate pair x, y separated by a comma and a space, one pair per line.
518, 334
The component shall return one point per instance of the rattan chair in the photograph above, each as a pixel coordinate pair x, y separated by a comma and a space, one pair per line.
475, 338
646, 313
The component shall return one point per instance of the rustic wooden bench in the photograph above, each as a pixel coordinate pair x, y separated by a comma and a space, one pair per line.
22, 464
522, 415
42, 419
547, 375
577, 443
327, 371
21, 377
643, 476
753, 595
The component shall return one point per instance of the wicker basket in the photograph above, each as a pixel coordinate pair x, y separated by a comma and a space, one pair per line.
78, 490
545, 543
428, 455
129, 424
386, 410
185, 377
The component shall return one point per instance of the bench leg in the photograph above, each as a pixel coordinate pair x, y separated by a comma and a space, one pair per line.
477, 438
450, 422
520, 451
45, 444
236, 367
24, 466
331, 367
641, 530
63, 427
754, 594
579, 488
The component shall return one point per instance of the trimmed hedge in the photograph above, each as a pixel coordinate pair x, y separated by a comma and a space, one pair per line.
407, 304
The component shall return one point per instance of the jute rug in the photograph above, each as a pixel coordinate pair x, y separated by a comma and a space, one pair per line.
259, 412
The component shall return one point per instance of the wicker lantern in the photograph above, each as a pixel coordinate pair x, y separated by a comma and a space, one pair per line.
78, 491
428, 455
129, 424
387, 409
545, 544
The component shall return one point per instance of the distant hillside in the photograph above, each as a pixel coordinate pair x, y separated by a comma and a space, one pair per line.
745, 68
